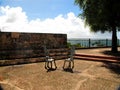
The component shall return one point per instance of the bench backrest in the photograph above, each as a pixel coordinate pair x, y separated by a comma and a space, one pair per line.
72, 52
60, 53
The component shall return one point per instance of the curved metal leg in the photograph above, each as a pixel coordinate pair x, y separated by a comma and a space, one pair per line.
49, 65
55, 64
46, 65
72, 64
64, 64
69, 66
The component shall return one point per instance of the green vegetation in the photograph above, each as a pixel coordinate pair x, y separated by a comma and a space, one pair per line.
69, 44
102, 15
97, 44
78, 45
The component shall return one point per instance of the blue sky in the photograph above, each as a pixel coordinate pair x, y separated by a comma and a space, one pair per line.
44, 8
45, 16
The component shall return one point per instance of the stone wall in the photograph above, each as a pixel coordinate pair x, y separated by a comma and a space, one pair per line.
15, 45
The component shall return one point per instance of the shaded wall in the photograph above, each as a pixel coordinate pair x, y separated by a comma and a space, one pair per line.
25, 45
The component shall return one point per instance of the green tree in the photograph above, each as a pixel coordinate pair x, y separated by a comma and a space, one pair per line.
102, 15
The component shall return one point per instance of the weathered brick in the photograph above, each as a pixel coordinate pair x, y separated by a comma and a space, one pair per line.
26, 45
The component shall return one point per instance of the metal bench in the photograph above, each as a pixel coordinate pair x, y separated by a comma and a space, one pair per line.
50, 63
70, 60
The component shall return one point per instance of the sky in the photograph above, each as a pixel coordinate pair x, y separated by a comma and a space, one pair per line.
45, 16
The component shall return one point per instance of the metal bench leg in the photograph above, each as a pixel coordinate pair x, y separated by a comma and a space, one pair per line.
55, 65
72, 64
46, 65
69, 66
64, 65
51, 64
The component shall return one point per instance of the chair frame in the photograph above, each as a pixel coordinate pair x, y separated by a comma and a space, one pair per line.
49, 61
70, 60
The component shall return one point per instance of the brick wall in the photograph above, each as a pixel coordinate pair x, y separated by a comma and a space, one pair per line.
26, 45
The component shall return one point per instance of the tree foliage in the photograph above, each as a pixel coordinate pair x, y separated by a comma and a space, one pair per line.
102, 15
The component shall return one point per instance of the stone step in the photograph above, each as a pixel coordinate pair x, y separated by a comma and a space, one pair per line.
19, 54
98, 58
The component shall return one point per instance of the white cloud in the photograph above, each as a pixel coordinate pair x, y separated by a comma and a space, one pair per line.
15, 20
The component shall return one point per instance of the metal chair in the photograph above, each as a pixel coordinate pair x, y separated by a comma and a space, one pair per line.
69, 60
49, 61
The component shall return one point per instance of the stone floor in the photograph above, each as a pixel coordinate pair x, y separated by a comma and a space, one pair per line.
87, 75
96, 51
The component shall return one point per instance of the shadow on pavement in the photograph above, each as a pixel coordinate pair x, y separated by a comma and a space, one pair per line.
1, 87
68, 70
111, 53
113, 67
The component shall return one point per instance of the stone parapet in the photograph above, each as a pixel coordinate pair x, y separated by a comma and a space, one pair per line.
14, 45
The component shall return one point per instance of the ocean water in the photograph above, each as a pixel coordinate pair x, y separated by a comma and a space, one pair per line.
92, 42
